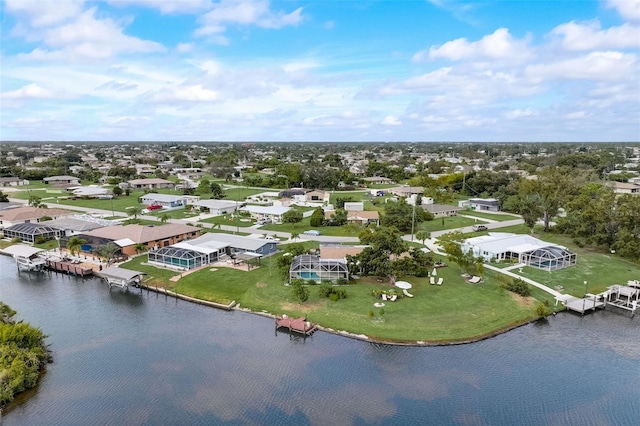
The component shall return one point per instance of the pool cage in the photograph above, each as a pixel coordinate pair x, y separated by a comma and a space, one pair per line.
310, 267
181, 258
549, 258
29, 232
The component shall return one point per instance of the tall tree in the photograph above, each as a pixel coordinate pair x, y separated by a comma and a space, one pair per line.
74, 245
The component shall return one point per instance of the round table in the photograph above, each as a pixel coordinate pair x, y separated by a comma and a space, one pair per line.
403, 285
378, 304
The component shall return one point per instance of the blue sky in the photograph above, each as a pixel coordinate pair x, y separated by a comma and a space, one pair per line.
259, 70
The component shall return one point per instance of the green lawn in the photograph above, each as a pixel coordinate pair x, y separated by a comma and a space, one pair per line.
483, 215
449, 223
455, 311
599, 270
226, 220
240, 194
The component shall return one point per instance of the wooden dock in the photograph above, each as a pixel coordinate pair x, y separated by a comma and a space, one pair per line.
590, 302
296, 325
69, 268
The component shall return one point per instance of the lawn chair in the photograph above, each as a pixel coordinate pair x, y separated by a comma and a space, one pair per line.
475, 280
406, 293
440, 281
393, 298
432, 281
384, 297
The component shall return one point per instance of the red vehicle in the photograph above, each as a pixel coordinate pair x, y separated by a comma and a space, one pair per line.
154, 207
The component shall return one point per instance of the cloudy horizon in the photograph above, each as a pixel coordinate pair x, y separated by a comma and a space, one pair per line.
259, 70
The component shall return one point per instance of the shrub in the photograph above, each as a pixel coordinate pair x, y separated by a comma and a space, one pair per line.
342, 281
324, 290
40, 239
517, 286
422, 272
334, 297
543, 311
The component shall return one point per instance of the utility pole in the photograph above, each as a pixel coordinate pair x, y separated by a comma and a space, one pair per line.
413, 218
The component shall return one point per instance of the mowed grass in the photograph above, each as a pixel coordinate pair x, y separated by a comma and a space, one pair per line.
438, 224
599, 270
490, 216
455, 311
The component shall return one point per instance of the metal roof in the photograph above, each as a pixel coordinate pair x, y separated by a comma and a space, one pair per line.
21, 250
119, 273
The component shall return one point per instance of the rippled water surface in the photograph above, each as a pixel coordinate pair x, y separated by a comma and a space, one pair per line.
131, 358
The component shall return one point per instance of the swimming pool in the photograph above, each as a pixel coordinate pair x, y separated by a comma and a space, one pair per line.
309, 275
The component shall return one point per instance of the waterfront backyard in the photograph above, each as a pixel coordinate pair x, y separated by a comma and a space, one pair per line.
453, 312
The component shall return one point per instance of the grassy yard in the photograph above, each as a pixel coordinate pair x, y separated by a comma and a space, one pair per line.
226, 220
240, 194
439, 224
455, 311
483, 215
598, 269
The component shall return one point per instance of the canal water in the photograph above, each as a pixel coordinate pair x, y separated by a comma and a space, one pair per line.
130, 358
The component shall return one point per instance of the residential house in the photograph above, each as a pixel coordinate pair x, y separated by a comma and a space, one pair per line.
128, 236
168, 201
218, 207
355, 206
61, 181
12, 181
211, 248
406, 190
317, 196
481, 204
28, 214
441, 210
31, 232
625, 188
292, 192
521, 248
378, 180
264, 212
150, 183
363, 217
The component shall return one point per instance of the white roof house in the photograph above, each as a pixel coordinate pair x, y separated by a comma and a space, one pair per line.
525, 249
274, 213
219, 207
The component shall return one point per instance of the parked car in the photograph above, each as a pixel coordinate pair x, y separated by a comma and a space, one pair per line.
154, 207
312, 232
479, 228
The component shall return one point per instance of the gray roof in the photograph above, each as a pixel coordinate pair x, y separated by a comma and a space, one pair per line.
71, 224
61, 178
236, 241
119, 273
21, 250
438, 208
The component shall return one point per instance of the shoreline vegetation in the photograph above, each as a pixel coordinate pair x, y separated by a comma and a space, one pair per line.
23, 355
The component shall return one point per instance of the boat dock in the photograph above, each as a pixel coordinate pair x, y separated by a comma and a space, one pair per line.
296, 325
71, 268
618, 298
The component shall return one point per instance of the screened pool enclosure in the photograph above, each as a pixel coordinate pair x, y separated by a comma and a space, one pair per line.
549, 258
29, 232
310, 267
181, 258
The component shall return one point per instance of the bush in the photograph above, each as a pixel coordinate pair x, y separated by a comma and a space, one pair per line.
325, 290
40, 239
334, 297
342, 281
543, 311
422, 272
517, 286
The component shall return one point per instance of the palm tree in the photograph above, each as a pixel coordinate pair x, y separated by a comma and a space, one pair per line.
107, 251
294, 236
164, 218
74, 245
423, 236
140, 248
135, 211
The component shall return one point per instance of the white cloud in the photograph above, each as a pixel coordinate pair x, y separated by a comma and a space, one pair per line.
254, 12
195, 93
628, 9
590, 36
518, 113
30, 91
89, 38
185, 47
390, 120
42, 13
609, 65
499, 45
167, 6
